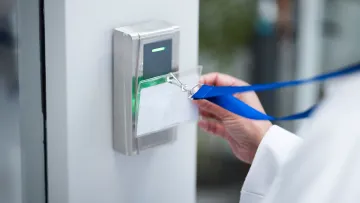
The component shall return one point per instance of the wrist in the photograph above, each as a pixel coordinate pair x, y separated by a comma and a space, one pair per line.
258, 137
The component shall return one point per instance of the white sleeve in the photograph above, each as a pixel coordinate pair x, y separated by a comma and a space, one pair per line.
273, 151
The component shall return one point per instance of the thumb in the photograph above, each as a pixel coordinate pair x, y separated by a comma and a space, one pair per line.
214, 109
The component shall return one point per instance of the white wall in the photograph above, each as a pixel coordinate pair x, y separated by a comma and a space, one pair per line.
83, 167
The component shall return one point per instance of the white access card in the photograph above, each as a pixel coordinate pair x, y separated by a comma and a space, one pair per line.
164, 106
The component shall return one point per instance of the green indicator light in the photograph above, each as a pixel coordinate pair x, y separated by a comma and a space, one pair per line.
158, 49
148, 83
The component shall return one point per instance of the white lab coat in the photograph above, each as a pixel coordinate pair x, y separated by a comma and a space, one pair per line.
322, 164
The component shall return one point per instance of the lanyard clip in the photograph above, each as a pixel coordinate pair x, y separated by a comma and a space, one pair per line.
172, 79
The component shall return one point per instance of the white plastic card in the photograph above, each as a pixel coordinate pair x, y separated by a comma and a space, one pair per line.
164, 106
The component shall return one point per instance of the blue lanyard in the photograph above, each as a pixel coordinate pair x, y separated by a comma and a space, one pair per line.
223, 95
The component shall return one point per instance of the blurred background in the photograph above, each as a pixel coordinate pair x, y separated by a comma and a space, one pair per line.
10, 153
258, 41
262, 41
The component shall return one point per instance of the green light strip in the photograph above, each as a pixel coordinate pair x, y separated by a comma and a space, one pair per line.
158, 49
148, 83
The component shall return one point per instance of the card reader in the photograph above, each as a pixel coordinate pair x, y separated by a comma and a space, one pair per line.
141, 51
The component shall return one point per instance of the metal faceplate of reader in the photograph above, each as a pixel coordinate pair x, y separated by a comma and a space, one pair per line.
141, 51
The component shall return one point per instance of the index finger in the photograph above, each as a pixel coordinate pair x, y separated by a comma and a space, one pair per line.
219, 79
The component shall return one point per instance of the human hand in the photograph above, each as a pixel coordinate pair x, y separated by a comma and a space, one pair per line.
243, 135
